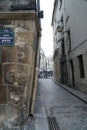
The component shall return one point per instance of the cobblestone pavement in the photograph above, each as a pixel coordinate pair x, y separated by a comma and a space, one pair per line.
39, 120
70, 112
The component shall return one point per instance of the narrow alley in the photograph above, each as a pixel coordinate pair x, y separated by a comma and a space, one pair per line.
54, 101
43, 65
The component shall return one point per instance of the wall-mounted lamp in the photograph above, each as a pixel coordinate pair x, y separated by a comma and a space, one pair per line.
60, 26
40, 14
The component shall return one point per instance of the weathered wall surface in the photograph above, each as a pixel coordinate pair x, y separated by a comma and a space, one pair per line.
77, 20
76, 10
6, 5
57, 67
75, 40
16, 74
80, 83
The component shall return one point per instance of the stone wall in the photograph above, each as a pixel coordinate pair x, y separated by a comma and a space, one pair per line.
6, 5
16, 74
57, 68
76, 20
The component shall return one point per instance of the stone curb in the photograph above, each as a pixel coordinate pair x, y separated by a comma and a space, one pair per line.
76, 93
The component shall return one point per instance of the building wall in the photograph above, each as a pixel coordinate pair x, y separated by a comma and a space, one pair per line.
76, 13
42, 66
76, 10
58, 37
80, 83
57, 68
56, 46
49, 61
75, 39
17, 68
6, 5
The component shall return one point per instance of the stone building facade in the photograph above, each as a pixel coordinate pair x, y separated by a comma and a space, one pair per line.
42, 64
46, 65
49, 66
42, 61
18, 66
12, 5
70, 43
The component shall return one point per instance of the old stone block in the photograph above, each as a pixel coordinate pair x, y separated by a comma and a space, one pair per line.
12, 113
21, 54
0, 73
15, 95
2, 113
3, 94
24, 37
6, 4
17, 74
4, 54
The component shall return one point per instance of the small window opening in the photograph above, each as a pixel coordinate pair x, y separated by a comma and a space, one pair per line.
81, 66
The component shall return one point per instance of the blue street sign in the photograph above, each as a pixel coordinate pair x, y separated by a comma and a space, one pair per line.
7, 37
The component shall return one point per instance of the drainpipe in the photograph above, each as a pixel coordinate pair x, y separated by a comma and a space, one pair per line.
36, 78
36, 65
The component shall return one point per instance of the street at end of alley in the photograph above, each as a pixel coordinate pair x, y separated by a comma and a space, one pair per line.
54, 101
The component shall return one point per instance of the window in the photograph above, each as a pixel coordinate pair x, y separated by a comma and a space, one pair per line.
69, 36
81, 66
63, 47
72, 71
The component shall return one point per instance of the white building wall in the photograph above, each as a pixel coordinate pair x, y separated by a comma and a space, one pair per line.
75, 18
75, 11
77, 22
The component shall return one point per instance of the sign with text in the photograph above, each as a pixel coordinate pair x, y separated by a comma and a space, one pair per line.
6, 37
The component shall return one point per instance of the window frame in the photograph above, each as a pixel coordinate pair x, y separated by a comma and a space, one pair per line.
81, 66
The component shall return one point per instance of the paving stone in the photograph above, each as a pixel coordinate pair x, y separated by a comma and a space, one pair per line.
70, 111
